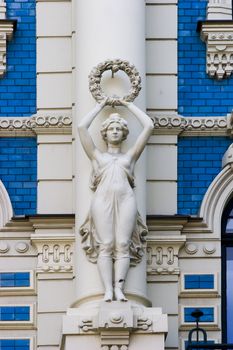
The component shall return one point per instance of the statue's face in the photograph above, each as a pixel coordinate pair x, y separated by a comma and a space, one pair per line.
114, 133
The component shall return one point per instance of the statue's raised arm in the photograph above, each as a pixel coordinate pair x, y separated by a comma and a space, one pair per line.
85, 137
136, 150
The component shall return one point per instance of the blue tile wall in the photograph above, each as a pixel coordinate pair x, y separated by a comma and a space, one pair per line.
199, 161
18, 86
14, 344
199, 281
207, 311
197, 93
14, 279
14, 313
18, 172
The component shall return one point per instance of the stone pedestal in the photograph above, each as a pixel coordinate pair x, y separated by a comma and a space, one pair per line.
114, 326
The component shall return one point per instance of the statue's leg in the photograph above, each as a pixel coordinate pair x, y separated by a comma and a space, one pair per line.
126, 223
104, 231
104, 264
121, 269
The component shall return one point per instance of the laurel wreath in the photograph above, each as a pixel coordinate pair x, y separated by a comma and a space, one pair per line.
114, 65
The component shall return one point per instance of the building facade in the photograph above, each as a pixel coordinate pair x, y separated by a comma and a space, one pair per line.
185, 187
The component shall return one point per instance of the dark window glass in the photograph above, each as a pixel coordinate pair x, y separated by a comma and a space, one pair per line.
14, 279
227, 273
208, 314
229, 293
14, 313
199, 343
14, 344
199, 281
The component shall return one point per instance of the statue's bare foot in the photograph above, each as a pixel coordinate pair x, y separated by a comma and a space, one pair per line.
108, 296
119, 294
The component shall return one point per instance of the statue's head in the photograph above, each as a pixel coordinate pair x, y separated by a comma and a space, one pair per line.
114, 119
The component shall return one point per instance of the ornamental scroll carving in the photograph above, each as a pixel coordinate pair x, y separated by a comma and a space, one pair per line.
54, 255
162, 255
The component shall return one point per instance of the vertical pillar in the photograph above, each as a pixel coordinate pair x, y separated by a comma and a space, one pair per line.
106, 29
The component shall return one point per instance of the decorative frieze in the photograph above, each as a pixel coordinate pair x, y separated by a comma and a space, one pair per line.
36, 124
14, 248
175, 124
164, 123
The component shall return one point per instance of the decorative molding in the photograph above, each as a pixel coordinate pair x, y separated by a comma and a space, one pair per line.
191, 248
55, 252
6, 211
115, 322
36, 124
218, 37
4, 247
15, 247
162, 254
7, 28
209, 248
215, 199
21, 247
165, 123
219, 10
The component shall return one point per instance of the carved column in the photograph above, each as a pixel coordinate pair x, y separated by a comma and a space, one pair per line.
106, 29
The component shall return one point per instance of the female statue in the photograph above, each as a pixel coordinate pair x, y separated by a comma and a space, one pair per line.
113, 230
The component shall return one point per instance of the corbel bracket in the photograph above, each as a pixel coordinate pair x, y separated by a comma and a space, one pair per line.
218, 36
7, 28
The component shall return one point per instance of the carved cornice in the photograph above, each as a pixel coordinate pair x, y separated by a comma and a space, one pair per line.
164, 124
174, 124
36, 124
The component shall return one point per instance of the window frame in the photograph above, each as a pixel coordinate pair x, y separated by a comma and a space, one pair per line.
226, 242
200, 291
30, 290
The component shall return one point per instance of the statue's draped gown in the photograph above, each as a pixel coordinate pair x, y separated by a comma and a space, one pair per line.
113, 213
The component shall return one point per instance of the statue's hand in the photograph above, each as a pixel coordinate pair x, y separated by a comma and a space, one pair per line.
103, 102
124, 103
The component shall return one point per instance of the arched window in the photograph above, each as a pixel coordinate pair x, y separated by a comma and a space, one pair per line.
227, 273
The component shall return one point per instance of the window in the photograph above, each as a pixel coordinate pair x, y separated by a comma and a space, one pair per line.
14, 279
14, 344
227, 273
207, 317
14, 313
205, 281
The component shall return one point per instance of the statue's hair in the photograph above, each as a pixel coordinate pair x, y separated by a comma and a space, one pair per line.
114, 118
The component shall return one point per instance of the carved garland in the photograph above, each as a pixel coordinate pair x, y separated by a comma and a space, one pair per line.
114, 65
